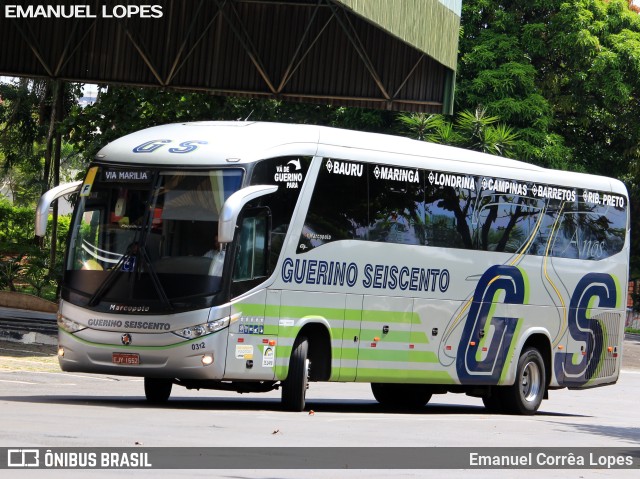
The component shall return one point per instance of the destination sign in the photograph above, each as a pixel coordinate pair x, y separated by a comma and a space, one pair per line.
111, 175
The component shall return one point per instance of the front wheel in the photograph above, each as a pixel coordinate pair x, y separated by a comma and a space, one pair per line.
157, 390
525, 396
294, 388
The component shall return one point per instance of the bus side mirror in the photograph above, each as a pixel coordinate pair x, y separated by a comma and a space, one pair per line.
42, 210
233, 206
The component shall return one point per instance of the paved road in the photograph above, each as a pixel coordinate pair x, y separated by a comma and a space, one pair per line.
41, 407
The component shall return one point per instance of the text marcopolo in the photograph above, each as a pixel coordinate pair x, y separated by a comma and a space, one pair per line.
83, 11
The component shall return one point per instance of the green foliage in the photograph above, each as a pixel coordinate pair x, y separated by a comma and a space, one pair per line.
10, 270
474, 131
565, 77
122, 110
432, 128
17, 225
591, 75
37, 273
24, 266
496, 69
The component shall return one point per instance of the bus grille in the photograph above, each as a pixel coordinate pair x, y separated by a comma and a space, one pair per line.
608, 335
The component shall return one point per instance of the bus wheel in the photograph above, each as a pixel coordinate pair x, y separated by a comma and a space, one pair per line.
294, 388
525, 396
401, 396
157, 390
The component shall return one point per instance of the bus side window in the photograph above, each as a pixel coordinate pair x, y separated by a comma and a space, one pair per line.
505, 223
396, 206
339, 207
448, 214
288, 173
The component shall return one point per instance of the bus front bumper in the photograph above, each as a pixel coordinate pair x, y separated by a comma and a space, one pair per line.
147, 355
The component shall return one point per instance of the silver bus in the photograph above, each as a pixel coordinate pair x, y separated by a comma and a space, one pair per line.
251, 256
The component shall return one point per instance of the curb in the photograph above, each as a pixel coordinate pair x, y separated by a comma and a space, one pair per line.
32, 337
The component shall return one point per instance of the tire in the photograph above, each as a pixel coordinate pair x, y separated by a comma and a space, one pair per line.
401, 396
157, 390
527, 392
294, 388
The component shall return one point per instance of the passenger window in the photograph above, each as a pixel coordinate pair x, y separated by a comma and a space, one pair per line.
396, 205
339, 206
449, 211
505, 223
600, 230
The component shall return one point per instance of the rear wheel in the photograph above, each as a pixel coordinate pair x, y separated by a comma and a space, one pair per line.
157, 390
294, 388
525, 396
401, 396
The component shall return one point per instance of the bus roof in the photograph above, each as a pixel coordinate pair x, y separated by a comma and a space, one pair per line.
217, 143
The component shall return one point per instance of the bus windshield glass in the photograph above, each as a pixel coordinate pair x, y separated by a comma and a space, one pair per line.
148, 235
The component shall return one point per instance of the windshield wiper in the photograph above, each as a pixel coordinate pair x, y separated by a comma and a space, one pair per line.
154, 277
106, 284
137, 249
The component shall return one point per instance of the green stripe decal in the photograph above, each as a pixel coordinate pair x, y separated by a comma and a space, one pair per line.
147, 348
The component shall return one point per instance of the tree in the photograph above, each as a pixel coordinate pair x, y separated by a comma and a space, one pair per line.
565, 76
472, 130
122, 110
495, 70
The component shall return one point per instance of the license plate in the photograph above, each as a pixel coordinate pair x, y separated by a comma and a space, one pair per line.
130, 359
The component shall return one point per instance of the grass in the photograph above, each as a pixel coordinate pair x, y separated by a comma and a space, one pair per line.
28, 357
632, 331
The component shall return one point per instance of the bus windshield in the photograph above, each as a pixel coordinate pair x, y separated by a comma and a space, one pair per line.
147, 235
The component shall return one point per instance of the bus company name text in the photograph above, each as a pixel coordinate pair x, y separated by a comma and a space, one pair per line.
374, 276
119, 324
83, 11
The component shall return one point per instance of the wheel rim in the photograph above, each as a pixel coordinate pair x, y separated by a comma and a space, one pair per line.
530, 382
307, 371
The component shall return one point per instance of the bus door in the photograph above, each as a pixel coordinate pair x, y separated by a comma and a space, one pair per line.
347, 355
249, 354
302, 308
253, 332
385, 333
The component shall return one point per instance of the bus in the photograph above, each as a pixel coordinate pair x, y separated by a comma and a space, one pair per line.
253, 256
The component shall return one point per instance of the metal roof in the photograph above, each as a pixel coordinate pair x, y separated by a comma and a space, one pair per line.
388, 54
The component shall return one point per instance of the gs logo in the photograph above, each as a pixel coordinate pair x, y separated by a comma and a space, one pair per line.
510, 281
592, 286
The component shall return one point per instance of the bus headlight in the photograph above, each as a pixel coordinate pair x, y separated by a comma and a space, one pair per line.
69, 325
203, 329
